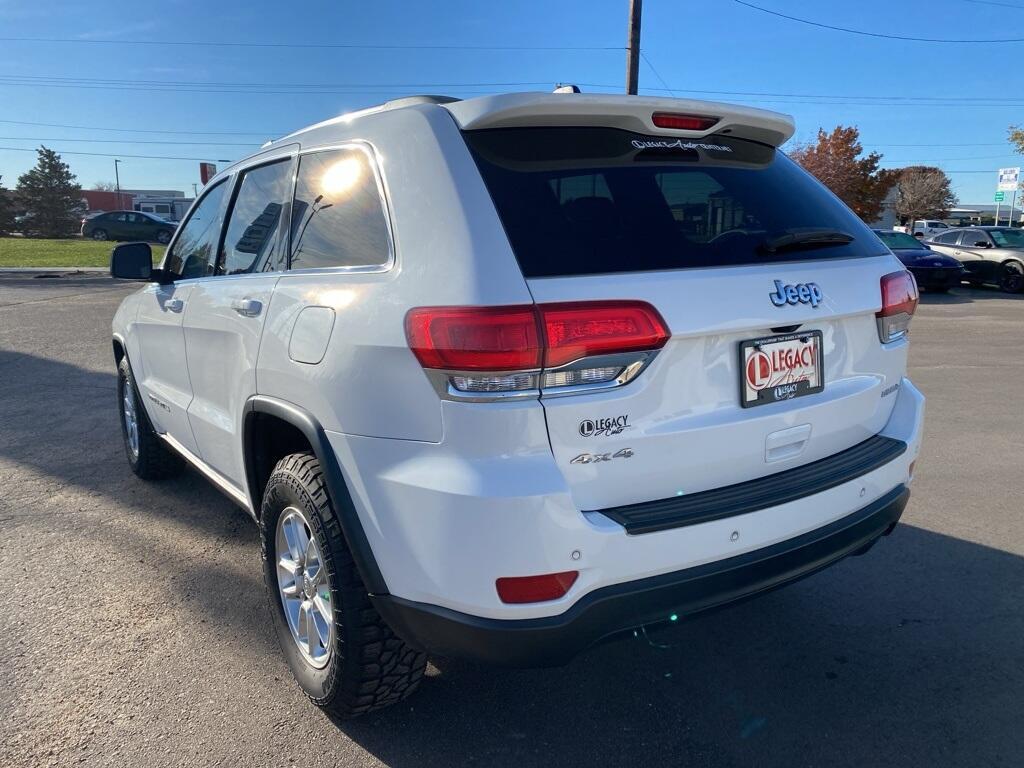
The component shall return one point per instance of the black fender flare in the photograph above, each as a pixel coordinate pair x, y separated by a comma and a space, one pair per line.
344, 507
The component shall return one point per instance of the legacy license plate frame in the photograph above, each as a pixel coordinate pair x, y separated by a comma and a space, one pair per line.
781, 367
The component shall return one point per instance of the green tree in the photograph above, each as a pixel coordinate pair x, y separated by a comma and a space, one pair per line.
836, 160
6, 210
50, 193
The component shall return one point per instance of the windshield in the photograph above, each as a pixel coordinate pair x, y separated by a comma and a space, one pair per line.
579, 201
900, 240
1008, 238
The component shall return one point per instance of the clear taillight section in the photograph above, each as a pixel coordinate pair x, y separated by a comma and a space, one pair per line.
899, 300
558, 347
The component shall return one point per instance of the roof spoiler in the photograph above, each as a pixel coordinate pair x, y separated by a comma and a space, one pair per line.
630, 113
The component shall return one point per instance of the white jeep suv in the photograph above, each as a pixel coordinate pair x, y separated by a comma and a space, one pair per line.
498, 378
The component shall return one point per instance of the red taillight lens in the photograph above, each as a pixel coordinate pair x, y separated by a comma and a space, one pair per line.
584, 329
899, 300
475, 338
683, 122
535, 589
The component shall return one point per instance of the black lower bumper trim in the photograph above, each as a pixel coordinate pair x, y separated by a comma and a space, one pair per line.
761, 493
554, 640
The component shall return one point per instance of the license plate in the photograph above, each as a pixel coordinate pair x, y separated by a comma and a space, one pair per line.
777, 368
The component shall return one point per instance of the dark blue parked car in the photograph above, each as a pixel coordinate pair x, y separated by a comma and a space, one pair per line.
933, 271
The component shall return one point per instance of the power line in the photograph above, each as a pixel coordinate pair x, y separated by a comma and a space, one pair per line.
104, 154
993, 2
325, 46
865, 33
134, 141
656, 74
146, 130
235, 84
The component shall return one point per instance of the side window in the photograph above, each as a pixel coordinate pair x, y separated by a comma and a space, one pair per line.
251, 240
338, 218
195, 250
122, 217
948, 238
972, 238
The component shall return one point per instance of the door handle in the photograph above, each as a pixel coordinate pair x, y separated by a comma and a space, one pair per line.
247, 307
174, 305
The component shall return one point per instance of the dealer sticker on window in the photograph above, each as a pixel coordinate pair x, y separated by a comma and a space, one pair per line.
777, 368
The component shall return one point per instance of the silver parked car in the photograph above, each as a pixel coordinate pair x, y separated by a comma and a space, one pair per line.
989, 254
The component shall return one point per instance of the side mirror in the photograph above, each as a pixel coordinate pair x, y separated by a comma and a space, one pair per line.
132, 261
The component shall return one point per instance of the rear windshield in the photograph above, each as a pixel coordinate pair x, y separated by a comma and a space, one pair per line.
1008, 238
901, 240
578, 201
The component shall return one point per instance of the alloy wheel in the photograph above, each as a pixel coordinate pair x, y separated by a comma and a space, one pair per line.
304, 587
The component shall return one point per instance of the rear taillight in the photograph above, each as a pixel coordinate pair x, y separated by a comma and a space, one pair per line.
535, 589
497, 351
899, 300
683, 122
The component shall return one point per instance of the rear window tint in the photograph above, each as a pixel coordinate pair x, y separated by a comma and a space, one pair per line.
579, 201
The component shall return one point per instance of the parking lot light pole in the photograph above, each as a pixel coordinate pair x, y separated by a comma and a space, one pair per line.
117, 184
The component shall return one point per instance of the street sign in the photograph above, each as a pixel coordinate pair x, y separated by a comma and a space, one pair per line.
1000, 196
1008, 179
208, 170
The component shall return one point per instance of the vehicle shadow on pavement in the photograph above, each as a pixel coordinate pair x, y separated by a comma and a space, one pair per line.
59, 431
911, 654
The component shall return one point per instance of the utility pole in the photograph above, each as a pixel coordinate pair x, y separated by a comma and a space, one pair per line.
633, 47
117, 184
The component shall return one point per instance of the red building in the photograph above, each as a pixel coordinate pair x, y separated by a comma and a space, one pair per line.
100, 200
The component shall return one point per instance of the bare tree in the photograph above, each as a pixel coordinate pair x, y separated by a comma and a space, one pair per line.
104, 186
923, 192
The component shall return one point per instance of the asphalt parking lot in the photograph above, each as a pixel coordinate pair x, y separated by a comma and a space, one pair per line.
135, 631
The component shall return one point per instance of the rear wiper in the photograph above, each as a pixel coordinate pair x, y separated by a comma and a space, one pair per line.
807, 237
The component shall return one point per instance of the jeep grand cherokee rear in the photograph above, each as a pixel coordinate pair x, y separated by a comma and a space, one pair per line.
718, 346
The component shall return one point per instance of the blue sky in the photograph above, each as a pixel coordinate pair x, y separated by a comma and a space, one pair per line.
718, 47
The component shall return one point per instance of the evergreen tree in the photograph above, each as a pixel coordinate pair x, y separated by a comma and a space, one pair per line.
50, 192
6, 210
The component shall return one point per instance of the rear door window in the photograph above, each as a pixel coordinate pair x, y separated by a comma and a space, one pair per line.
579, 201
251, 242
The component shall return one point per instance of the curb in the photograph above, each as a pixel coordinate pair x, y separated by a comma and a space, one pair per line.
63, 270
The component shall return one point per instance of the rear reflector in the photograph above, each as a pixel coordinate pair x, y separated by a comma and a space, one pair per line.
683, 122
899, 300
535, 589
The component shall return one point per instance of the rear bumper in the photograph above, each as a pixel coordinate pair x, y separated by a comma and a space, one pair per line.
554, 640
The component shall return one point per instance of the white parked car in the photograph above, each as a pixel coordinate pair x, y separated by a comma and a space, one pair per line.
498, 378
925, 228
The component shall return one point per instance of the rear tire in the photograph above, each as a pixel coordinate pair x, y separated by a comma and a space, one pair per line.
163, 237
148, 455
99, 234
1011, 277
356, 664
